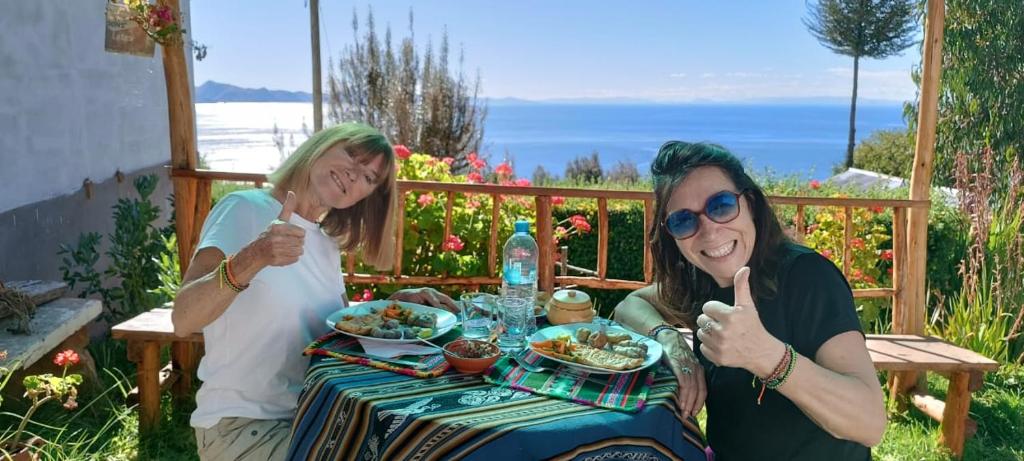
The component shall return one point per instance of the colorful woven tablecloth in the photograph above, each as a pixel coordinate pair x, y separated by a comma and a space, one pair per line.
615, 391
350, 411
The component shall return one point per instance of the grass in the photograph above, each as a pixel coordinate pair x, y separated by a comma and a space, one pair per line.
103, 428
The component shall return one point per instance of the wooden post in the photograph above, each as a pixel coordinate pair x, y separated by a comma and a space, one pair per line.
847, 237
920, 187
648, 256
545, 261
492, 243
181, 123
602, 238
399, 234
314, 35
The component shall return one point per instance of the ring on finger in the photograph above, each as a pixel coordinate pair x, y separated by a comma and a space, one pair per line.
686, 370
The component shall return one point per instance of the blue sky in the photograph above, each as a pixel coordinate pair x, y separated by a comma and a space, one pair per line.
663, 50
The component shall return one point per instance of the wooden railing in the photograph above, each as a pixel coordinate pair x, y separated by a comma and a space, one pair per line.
199, 182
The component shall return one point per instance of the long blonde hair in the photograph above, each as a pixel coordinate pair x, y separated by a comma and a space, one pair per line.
368, 225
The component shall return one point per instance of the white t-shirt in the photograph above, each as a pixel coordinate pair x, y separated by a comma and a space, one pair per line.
254, 367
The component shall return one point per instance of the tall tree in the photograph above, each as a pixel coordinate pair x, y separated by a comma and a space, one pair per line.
862, 29
421, 103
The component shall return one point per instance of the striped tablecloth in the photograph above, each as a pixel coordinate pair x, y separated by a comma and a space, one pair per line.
349, 411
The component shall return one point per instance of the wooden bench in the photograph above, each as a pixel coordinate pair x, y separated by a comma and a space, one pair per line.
964, 368
146, 334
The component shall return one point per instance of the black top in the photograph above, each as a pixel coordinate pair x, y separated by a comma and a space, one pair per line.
813, 304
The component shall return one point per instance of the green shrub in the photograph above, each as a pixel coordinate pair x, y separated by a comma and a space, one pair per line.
889, 152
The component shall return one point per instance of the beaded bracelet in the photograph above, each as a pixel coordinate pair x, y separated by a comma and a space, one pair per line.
227, 279
780, 374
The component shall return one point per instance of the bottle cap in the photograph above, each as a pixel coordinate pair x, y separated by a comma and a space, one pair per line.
522, 226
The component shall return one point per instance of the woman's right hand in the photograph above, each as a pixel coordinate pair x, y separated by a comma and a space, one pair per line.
689, 373
281, 244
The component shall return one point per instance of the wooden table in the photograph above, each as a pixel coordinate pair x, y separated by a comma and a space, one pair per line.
146, 334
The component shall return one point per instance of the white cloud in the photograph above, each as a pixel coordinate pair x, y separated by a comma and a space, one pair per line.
678, 75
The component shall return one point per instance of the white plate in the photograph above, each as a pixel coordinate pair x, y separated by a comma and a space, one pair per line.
445, 320
654, 349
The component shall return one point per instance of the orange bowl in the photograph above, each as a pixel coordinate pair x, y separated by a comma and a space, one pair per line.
471, 356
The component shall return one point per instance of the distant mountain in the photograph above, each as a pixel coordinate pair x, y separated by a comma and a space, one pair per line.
222, 92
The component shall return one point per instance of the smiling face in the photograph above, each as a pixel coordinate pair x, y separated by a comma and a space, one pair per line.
717, 249
337, 180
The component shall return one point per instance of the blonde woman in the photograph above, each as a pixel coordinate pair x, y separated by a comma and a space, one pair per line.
266, 273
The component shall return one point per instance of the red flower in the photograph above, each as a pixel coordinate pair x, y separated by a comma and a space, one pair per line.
367, 295
857, 243
827, 253
474, 178
504, 169
523, 182
815, 184
66, 358
557, 200
425, 200
886, 255
877, 209
475, 161
448, 160
580, 223
889, 270
453, 243
401, 151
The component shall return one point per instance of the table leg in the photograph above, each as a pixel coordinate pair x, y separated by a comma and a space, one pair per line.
146, 355
954, 417
183, 358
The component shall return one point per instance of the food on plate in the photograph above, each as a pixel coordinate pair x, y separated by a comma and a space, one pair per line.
392, 322
624, 355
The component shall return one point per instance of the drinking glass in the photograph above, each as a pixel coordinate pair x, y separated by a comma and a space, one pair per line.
513, 318
479, 314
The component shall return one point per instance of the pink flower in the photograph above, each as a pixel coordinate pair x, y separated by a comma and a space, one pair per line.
580, 223
523, 182
827, 253
561, 232
857, 243
557, 200
812, 228
815, 184
453, 243
474, 178
66, 358
448, 160
401, 151
367, 295
504, 169
886, 255
472, 204
425, 200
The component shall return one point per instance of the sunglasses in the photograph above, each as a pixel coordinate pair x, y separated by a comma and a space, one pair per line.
722, 207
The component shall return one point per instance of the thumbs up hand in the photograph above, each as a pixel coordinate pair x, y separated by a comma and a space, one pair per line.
281, 244
733, 336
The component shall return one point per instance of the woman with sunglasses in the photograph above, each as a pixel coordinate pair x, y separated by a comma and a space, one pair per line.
779, 353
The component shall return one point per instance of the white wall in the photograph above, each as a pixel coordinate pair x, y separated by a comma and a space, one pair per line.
68, 109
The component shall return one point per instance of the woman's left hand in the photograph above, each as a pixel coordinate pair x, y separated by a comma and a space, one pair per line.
426, 296
733, 336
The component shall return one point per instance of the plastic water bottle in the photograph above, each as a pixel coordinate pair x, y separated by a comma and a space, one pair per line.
519, 270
